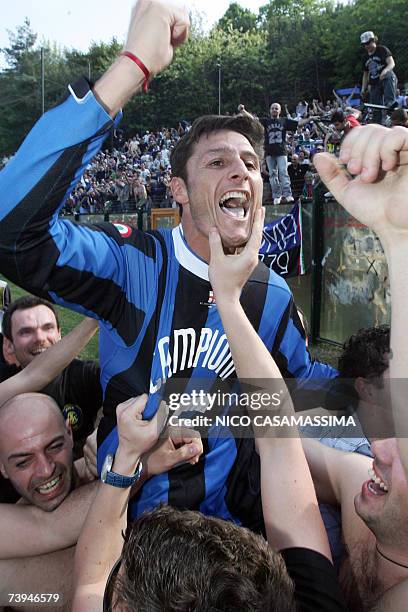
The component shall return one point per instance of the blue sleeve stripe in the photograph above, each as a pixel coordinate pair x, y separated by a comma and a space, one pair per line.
277, 298
222, 453
47, 141
85, 250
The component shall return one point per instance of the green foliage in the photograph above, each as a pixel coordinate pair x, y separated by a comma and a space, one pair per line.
237, 18
291, 50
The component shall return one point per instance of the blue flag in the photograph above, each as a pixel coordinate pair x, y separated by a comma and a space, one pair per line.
281, 247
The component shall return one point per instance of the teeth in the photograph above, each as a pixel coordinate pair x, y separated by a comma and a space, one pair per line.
46, 488
377, 480
233, 194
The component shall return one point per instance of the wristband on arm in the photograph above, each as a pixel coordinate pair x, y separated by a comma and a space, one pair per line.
142, 67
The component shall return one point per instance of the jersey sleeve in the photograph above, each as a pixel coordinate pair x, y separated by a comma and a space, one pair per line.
83, 267
290, 350
387, 52
315, 580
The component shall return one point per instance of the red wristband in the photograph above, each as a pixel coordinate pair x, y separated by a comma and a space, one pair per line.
142, 67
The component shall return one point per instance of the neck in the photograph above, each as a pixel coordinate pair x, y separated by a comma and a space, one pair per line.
392, 564
197, 241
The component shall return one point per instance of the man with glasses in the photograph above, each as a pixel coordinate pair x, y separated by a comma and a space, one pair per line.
378, 74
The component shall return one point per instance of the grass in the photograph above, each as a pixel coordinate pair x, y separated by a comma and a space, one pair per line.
327, 353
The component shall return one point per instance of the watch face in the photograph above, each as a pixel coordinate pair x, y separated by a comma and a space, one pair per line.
107, 465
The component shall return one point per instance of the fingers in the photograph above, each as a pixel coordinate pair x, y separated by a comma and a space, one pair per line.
370, 149
255, 239
216, 249
133, 406
90, 455
188, 452
333, 175
362, 152
394, 149
160, 418
184, 435
180, 27
189, 444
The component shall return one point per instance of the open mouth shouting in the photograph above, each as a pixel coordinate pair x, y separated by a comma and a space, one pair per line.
376, 486
235, 204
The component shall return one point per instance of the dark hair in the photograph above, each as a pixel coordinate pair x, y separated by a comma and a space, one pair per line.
337, 116
178, 561
364, 353
399, 116
249, 127
24, 303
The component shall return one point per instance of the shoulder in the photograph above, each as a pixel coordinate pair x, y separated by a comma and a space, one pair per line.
263, 276
384, 50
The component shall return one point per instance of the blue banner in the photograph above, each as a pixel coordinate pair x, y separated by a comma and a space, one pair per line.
281, 247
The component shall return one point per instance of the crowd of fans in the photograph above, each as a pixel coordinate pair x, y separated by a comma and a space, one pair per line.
136, 172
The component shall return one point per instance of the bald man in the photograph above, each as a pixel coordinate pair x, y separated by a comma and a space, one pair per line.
36, 450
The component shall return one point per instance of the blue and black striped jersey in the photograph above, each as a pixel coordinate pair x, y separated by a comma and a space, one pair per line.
152, 296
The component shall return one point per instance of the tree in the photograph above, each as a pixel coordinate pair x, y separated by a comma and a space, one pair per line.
237, 18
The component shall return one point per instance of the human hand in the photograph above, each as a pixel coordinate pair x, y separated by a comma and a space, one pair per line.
156, 28
241, 108
137, 436
229, 273
177, 445
382, 75
90, 449
377, 157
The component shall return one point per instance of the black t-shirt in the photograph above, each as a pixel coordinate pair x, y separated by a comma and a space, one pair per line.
275, 134
375, 63
316, 585
78, 392
297, 178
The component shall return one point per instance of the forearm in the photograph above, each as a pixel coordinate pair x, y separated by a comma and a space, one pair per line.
118, 84
389, 66
28, 531
36, 182
290, 509
364, 84
397, 255
100, 542
244, 341
291, 518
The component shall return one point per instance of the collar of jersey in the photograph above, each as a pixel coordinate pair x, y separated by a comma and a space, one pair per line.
186, 257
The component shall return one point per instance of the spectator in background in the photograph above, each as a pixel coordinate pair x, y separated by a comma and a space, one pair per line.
296, 172
399, 116
344, 122
139, 190
276, 151
379, 78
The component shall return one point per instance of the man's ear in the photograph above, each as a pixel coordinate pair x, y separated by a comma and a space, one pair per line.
68, 427
179, 190
8, 352
363, 388
3, 471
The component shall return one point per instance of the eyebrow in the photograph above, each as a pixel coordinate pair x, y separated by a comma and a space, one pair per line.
21, 455
246, 152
